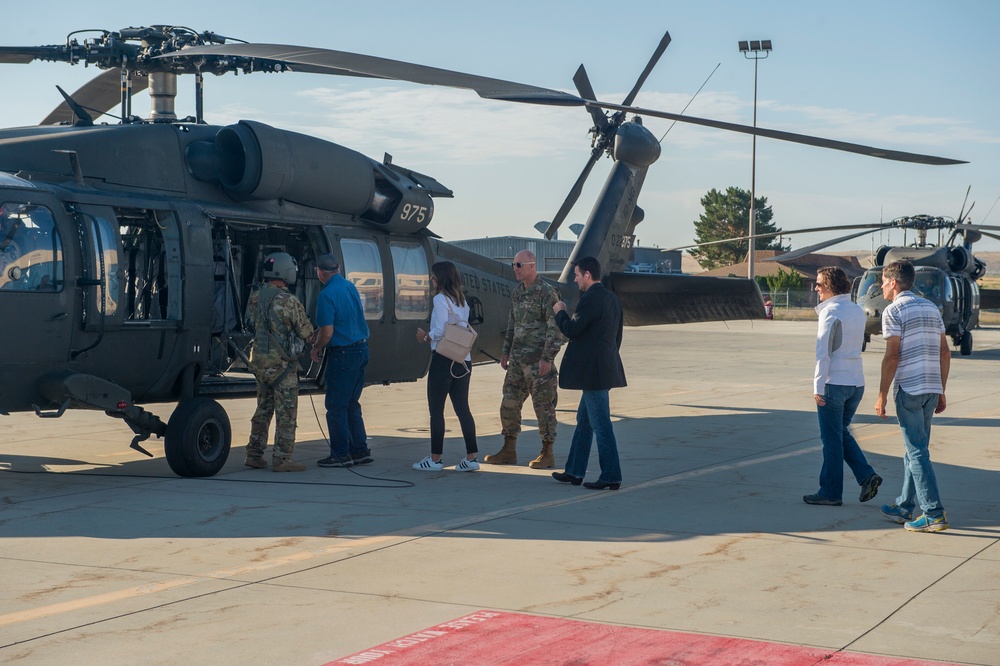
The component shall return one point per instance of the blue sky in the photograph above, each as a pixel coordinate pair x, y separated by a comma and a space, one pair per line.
917, 76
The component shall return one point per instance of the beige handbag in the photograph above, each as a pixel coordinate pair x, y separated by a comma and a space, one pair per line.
457, 342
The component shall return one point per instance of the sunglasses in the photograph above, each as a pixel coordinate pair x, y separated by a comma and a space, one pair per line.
521, 264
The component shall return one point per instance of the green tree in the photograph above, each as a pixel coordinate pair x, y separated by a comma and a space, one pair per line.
783, 281
727, 215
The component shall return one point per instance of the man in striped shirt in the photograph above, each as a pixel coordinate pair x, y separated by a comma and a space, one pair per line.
918, 358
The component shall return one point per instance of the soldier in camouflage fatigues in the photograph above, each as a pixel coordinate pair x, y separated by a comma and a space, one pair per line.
532, 342
278, 318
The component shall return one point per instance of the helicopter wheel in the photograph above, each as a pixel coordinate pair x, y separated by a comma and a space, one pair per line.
198, 438
965, 346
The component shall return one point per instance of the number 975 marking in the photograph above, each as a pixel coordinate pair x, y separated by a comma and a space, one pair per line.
411, 212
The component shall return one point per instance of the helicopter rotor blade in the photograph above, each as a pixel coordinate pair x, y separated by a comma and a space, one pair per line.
870, 227
968, 212
22, 55
795, 254
364, 65
978, 227
961, 213
573, 195
819, 142
321, 59
986, 233
582, 82
101, 94
664, 43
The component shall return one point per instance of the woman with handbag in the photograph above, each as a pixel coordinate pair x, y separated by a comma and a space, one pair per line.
450, 310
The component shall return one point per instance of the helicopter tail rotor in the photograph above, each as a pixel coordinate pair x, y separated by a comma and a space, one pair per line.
604, 130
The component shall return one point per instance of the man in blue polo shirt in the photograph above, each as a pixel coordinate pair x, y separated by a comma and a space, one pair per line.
343, 331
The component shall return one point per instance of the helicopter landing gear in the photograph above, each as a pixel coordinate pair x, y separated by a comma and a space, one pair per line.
965, 345
198, 438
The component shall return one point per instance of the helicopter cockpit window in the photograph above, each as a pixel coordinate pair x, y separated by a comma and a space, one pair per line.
413, 294
363, 267
31, 256
871, 280
929, 284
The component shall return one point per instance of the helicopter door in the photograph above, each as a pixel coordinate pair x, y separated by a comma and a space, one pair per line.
131, 282
101, 278
36, 306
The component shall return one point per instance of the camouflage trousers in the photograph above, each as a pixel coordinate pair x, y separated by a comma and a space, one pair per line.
281, 401
520, 382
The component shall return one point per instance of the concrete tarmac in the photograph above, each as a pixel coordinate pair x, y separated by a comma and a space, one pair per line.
106, 557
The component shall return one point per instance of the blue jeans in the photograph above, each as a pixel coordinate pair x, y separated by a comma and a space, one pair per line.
593, 417
919, 483
839, 446
345, 378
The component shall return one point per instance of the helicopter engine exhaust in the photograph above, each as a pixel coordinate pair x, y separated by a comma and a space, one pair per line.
958, 259
251, 160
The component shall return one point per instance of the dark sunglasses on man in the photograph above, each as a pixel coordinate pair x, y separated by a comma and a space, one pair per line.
521, 264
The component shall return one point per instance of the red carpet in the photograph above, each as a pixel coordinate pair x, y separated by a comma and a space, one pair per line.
494, 638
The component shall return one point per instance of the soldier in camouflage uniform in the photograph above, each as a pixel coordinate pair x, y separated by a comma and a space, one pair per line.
281, 327
532, 342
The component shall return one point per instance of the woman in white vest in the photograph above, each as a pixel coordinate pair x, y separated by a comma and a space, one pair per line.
449, 306
838, 386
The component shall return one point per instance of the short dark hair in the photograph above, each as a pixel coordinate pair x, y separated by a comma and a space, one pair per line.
902, 272
589, 265
836, 279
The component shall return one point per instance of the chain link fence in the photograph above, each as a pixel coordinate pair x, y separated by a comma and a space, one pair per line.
792, 298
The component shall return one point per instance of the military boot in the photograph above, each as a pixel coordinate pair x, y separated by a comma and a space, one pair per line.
254, 459
545, 459
287, 465
505, 456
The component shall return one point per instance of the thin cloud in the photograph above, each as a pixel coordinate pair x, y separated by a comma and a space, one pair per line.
904, 129
442, 125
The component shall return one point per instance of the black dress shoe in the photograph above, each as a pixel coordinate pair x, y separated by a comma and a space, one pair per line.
567, 478
601, 485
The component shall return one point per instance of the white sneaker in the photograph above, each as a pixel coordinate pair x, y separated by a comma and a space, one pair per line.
428, 465
466, 465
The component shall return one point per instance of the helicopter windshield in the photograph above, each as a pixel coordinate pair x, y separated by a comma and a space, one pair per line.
30, 249
871, 283
929, 283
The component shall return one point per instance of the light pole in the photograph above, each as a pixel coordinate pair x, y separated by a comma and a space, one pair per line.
752, 50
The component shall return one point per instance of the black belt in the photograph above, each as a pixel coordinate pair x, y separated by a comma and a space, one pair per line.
353, 344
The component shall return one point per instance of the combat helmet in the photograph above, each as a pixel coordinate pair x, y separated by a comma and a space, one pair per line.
280, 266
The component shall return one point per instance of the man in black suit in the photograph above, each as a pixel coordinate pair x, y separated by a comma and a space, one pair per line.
592, 364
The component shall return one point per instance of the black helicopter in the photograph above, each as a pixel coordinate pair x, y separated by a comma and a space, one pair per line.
947, 274
129, 250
